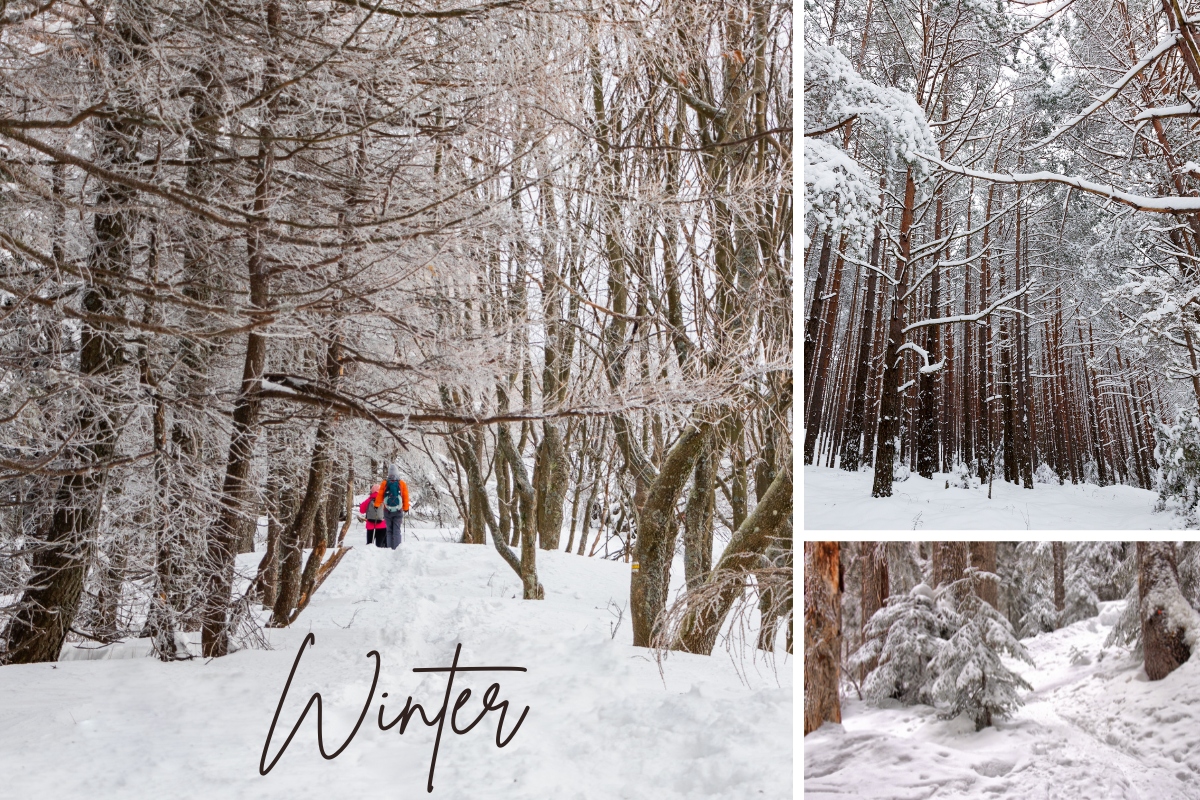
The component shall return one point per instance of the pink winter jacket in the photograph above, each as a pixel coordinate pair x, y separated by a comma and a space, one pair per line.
362, 509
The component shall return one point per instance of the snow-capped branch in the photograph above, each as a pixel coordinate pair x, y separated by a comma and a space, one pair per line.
1165, 112
836, 189
1166, 43
925, 323
1171, 204
916, 348
860, 263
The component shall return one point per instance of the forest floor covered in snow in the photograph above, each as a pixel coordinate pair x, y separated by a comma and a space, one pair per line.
603, 722
1093, 728
839, 500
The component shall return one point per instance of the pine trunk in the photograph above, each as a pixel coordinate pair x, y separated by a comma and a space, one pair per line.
1158, 584
983, 558
890, 404
822, 634
1059, 550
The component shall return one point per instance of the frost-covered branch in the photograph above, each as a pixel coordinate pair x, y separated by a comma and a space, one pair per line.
1171, 204
997, 305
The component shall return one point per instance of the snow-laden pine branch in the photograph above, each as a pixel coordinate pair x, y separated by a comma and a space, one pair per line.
916, 348
925, 323
1170, 204
1165, 44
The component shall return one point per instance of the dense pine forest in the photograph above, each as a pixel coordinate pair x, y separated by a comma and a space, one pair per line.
1001, 242
254, 252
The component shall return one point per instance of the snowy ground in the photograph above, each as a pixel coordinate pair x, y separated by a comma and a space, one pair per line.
1097, 729
839, 500
602, 722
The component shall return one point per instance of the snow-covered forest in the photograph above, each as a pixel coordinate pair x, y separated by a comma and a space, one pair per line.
252, 253
1001, 240
533, 256
983, 669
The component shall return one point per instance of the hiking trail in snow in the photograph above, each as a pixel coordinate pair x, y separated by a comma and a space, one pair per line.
603, 722
1093, 728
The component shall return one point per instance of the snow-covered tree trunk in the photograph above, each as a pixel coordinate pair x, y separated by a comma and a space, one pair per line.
890, 400
822, 634
1166, 616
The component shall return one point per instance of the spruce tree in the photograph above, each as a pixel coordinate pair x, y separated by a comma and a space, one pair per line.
971, 678
901, 639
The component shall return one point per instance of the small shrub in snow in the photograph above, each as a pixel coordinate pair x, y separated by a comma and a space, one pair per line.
1046, 474
1177, 451
963, 477
971, 678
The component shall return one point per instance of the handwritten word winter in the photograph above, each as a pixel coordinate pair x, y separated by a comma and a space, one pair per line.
405, 716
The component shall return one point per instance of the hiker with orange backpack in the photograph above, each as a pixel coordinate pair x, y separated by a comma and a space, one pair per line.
392, 497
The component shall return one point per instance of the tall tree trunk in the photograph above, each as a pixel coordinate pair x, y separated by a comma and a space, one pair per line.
1158, 591
308, 528
927, 383
769, 524
1059, 551
812, 327
236, 490
657, 528
983, 558
527, 526
874, 561
300, 532
814, 417
852, 447
52, 596
551, 479
890, 402
698, 519
949, 564
822, 634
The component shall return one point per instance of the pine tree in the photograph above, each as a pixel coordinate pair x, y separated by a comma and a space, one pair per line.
971, 678
1093, 574
901, 639
1177, 452
1034, 576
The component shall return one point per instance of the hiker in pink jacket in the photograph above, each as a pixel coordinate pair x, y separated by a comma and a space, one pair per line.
376, 525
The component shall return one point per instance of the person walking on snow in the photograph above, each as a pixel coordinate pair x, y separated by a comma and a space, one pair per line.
394, 495
372, 509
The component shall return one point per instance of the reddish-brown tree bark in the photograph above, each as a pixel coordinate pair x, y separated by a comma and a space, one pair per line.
822, 634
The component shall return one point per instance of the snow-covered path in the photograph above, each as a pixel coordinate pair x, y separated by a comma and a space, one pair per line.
603, 722
1095, 729
838, 500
